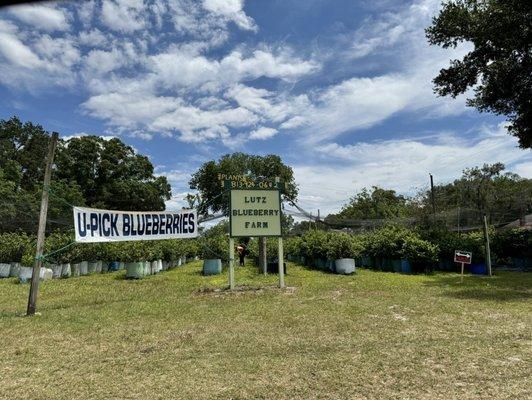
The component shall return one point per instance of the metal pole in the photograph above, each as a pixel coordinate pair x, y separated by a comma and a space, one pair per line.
281, 263
488, 253
231, 263
34, 286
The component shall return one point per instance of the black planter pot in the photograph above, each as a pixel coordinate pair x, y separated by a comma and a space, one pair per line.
273, 267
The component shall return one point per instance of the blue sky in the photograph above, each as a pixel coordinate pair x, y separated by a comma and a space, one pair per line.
341, 90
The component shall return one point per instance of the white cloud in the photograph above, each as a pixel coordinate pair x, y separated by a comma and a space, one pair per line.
102, 62
93, 38
523, 169
186, 68
81, 134
340, 171
16, 53
42, 17
262, 133
123, 15
232, 10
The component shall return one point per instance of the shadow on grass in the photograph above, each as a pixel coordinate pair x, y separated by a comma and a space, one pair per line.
497, 288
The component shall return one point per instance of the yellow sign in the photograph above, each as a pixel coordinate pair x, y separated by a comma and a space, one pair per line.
255, 213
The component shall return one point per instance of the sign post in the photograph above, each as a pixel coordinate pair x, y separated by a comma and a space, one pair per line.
255, 210
231, 263
462, 257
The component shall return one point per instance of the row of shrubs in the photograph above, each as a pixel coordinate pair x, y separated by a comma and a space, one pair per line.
59, 248
423, 248
386, 247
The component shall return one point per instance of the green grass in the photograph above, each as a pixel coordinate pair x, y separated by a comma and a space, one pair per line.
373, 335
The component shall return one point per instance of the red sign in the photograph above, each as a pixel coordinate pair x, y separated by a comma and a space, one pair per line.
462, 256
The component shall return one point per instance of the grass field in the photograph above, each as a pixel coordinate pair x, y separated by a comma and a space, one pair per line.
373, 335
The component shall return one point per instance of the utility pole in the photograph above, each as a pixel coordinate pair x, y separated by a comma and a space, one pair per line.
432, 196
488, 254
34, 287
317, 222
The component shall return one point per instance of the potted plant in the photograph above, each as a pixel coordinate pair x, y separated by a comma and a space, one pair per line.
215, 249
131, 253
343, 250
420, 253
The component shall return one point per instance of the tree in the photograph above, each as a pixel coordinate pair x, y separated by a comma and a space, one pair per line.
216, 199
111, 175
498, 67
88, 171
377, 203
503, 197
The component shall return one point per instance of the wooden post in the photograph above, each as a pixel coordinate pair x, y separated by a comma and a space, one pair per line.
432, 196
263, 255
488, 253
231, 263
281, 263
34, 286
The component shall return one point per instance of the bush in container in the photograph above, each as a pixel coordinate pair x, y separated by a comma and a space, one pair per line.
131, 253
214, 251
12, 246
343, 250
420, 253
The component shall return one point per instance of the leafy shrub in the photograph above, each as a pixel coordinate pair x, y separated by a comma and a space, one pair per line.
315, 244
343, 245
512, 243
419, 251
12, 246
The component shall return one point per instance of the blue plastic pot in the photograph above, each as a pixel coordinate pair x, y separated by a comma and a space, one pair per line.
396, 266
113, 266
212, 267
406, 268
478, 269
320, 264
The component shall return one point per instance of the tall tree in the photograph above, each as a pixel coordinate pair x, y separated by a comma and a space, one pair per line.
502, 196
111, 175
500, 64
215, 199
88, 171
377, 203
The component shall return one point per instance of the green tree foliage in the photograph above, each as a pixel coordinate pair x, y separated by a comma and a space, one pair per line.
503, 197
377, 203
205, 179
498, 67
111, 175
88, 171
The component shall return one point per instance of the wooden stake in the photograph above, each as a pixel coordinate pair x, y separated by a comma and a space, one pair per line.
231, 263
488, 253
281, 263
34, 287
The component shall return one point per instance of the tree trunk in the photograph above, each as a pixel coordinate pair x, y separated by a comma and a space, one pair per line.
263, 263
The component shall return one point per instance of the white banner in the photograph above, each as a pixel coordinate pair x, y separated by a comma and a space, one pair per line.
94, 225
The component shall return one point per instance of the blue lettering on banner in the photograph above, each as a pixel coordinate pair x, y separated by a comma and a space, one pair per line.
155, 226
126, 228
93, 223
114, 228
82, 229
106, 229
